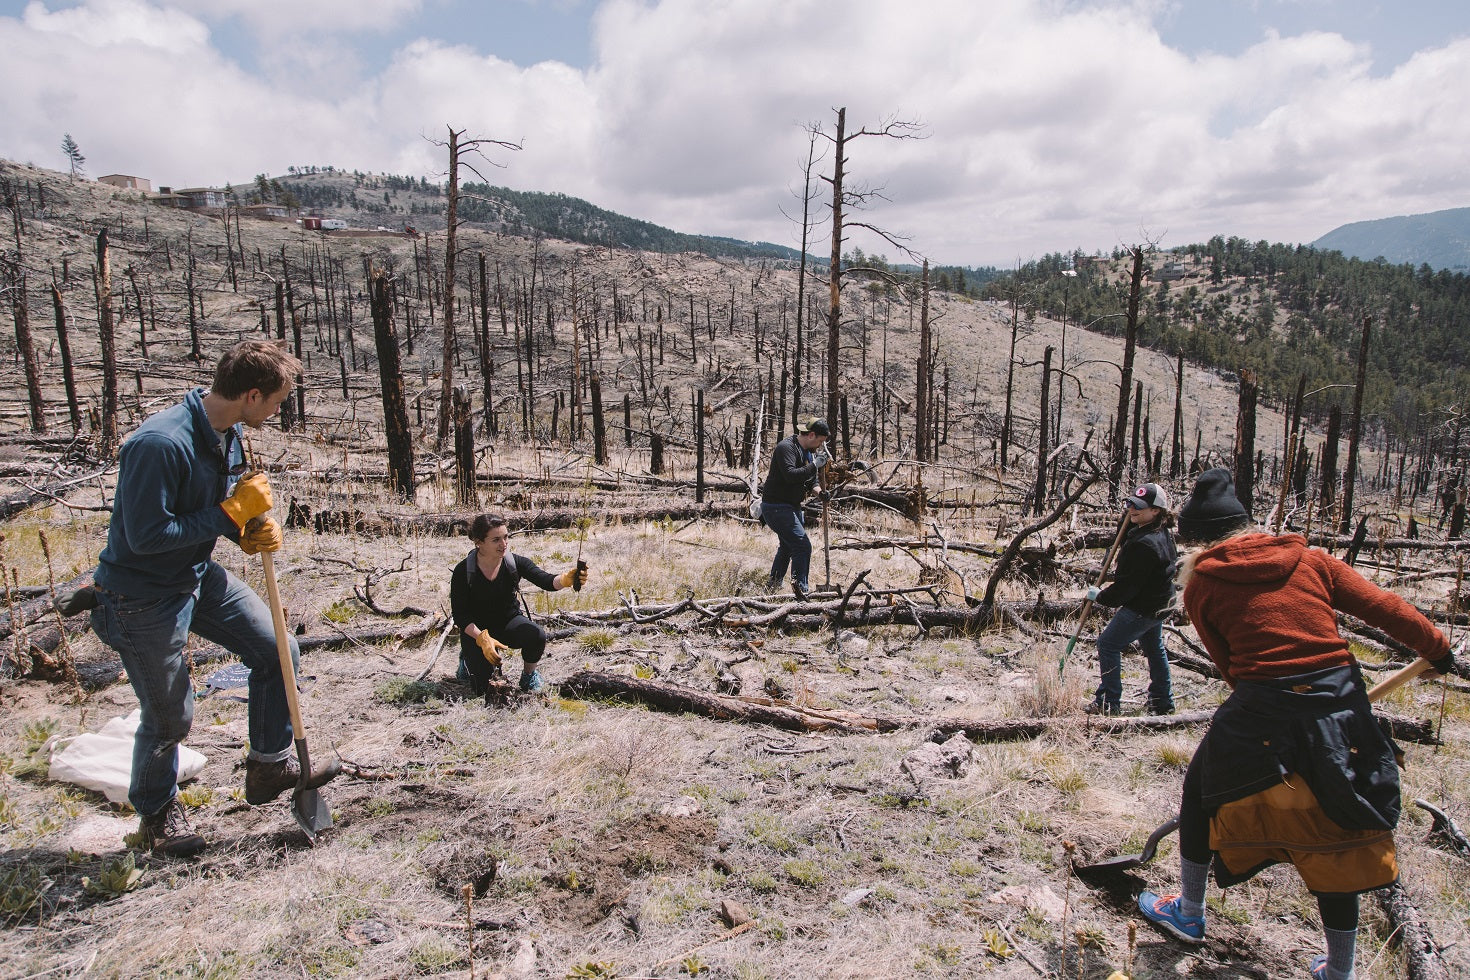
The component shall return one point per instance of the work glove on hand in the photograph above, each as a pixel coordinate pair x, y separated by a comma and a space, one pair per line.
261, 534
490, 647
824, 495
820, 458
1092, 594
575, 577
250, 498
1444, 665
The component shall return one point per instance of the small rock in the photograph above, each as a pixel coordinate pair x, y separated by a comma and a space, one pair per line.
733, 913
856, 896
949, 760
684, 806
523, 963
368, 932
1040, 898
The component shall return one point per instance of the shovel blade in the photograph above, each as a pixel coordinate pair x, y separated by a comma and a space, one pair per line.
1123, 862
311, 812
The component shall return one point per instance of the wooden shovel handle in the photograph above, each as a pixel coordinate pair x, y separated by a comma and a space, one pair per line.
283, 645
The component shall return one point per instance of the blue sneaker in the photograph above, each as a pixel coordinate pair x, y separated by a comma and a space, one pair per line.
1319, 966
532, 683
1163, 911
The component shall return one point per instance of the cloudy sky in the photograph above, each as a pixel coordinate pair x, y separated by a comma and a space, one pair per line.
1048, 124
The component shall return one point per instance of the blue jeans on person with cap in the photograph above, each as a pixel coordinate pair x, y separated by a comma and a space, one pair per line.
796, 548
150, 634
1125, 627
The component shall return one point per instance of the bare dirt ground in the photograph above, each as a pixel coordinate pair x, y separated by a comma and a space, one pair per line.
604, 839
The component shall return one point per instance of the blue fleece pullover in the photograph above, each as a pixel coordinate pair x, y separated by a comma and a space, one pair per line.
172, 474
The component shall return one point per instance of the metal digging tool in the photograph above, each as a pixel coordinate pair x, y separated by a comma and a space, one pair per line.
1087, 603
307, 805
1124, 862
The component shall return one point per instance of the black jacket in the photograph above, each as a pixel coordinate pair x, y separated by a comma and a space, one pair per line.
1144, 580
1319, 725
791, 476
473, 598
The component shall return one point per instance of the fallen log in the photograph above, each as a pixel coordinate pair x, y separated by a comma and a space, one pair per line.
672, 697
1421, 955
456, 524
1445, 826
10, 506
96, 674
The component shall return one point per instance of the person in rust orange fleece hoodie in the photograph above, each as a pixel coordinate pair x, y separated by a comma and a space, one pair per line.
1294, 768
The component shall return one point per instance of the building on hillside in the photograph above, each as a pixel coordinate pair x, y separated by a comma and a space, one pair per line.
166, 198
127, 182
310, 222
202, 198
333, 224
1169, 271
267, 212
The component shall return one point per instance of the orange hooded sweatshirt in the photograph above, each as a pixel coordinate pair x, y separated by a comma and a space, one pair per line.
1264, 606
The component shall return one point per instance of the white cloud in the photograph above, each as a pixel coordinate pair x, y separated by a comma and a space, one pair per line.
279, 18
1049, 125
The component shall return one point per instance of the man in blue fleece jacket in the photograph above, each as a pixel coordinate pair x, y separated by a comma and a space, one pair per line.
179, 488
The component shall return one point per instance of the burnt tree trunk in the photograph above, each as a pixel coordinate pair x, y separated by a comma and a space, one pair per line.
1176, 453
63, 344
1038, 494
1329, 457
1125, 384
107, 435
20, 310
834, 273
921, 372
599, 426
1245, 443
464, 448
1355, 434
390, 376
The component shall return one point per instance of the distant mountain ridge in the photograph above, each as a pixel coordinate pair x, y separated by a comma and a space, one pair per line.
1439, 239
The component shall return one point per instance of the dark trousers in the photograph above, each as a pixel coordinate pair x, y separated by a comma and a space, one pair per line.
795, 551
520, 633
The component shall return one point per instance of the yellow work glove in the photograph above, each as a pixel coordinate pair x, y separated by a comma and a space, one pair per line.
250, 498
575, 577
261, 534
490, 647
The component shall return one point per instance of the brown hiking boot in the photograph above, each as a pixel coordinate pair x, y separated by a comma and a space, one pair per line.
264, 781
167, 833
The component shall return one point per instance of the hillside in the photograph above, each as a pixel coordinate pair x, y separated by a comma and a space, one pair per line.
1439, 239
1285, 313
598, 834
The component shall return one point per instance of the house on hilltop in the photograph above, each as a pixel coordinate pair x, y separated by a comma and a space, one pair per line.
202, 198
127, 182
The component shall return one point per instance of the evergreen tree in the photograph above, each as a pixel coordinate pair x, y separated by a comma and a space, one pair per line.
74, 156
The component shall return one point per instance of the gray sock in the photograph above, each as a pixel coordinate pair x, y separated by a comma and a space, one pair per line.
1342, 949
1193, 877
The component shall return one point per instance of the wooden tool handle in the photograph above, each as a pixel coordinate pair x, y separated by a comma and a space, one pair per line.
283, 645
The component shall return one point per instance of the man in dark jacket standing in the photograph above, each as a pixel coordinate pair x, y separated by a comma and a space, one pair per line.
796, 464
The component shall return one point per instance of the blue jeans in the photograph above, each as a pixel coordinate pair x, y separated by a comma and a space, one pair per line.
796, 548
149, 635
1125, 627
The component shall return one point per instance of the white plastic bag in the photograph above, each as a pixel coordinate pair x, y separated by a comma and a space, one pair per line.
103, 761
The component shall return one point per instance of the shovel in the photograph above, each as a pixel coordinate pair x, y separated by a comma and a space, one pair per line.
307, 805
1087, 603
1123, 862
